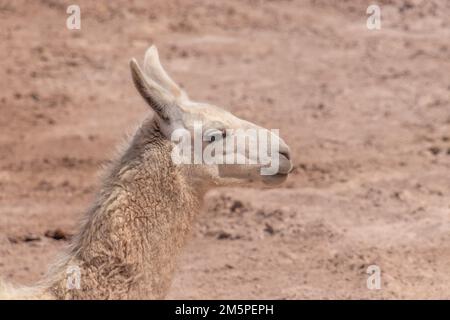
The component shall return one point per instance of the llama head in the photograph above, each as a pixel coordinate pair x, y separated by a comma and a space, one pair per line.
208, 140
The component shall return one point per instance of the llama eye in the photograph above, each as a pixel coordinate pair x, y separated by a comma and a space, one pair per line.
214, 135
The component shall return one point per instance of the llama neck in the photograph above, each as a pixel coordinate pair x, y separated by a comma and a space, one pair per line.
128, 246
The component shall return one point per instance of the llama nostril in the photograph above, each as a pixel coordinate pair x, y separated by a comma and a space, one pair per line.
286, 154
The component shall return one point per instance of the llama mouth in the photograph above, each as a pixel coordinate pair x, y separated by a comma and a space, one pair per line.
285, 168
275, 179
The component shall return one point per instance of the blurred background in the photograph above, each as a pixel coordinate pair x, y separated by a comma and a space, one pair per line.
366, 113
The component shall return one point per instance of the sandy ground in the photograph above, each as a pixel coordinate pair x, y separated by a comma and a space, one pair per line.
366, 113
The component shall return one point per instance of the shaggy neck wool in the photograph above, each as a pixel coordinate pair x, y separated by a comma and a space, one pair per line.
132, 235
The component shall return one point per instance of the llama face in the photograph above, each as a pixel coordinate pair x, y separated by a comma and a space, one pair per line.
231, 149
225, 148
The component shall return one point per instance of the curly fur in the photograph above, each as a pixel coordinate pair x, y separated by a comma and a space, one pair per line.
128, 243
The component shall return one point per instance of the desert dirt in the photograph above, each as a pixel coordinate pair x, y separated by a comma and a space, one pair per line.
365, 112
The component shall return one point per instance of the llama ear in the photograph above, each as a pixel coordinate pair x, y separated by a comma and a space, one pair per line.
154, 70
157, 97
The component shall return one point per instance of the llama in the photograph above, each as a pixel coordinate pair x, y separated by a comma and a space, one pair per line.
131, 236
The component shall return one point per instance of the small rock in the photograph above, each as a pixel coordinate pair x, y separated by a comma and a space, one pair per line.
13, 239
223, 235
403, 195
57, 234
236, 205
34, 96
435, 150
269, 229
31, 237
